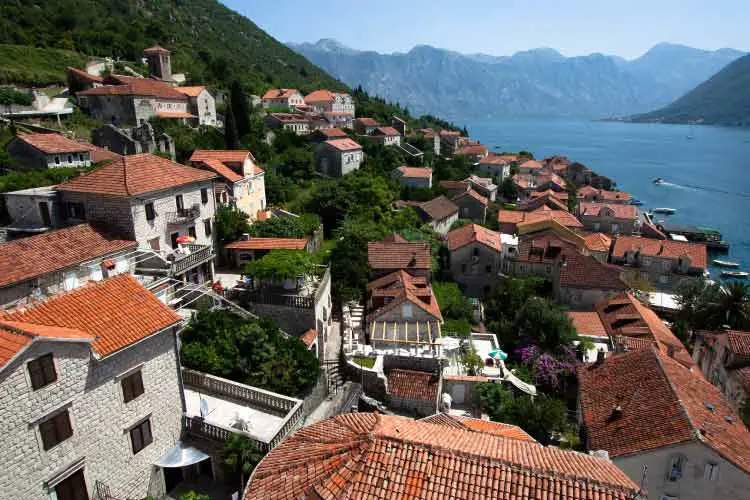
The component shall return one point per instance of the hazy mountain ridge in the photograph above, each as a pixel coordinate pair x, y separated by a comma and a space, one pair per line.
538, 82
723, 99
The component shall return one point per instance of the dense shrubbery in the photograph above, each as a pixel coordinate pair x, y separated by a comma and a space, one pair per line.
251, 352
286, 227
34, 66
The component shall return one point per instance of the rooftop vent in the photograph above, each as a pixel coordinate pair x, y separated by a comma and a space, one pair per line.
729, 418
616, 413
710, 407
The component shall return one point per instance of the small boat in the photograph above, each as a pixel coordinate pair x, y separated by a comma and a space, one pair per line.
666, 211
725, 263
658, 180
636, 202
735, 274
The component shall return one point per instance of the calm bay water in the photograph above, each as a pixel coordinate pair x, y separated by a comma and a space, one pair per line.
708, 176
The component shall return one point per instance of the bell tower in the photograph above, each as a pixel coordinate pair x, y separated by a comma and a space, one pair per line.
159, 64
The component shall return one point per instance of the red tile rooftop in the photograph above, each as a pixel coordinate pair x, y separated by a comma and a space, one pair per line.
587, 323
620, 211
411, 384
416, 172
193, 91
471, 233
134, 175
669, 249
662, 403
387, 131
280, 93
395, 255
175, 114
55, 250
343, 144
365, 455
115, 312
53, 143
268, 244
132, 86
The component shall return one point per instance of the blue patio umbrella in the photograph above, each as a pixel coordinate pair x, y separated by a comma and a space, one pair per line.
499, 354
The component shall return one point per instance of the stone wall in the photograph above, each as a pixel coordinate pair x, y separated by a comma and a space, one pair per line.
463, 390
432, 365
373, 384
114, 213
101, 421
293, 320
469, 267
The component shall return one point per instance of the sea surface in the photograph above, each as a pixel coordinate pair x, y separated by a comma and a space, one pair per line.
706, 169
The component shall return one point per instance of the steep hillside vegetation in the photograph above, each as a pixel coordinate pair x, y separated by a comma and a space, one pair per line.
209, 41
540, 82
34, 66
723, 99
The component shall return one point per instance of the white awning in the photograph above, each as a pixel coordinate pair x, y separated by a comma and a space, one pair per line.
181, 455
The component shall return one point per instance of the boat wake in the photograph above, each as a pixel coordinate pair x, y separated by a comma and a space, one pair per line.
704, 188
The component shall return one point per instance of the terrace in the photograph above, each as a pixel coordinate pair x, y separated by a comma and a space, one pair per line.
217, 408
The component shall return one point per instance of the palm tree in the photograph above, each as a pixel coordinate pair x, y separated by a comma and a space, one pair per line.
241, 453
733, 303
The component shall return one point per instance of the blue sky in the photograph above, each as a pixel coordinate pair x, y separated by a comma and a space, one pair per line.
501, 27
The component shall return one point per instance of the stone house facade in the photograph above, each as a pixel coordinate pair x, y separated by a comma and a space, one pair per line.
32, 210
322, 101
387, 136
610, 218
416, 177
49, 151
201, 104
338, 157
476, 258
496, 166
724, 359
241, 181
282, 98
134, 140
160, 202
365, 125
294, 122
60, 260
471, 205
440, 213
96, 436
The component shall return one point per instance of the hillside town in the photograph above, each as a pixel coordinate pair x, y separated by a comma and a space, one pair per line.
212, 294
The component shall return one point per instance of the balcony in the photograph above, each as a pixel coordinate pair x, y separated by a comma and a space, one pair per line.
183, 215
217, 408
304, 294
195, 255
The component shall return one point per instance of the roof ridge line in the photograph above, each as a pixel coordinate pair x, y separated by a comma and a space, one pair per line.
696, 432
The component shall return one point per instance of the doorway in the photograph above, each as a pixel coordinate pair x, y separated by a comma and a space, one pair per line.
44, 211
73, 487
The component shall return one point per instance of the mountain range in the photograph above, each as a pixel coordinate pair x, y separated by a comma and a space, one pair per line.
723, 99
539, 82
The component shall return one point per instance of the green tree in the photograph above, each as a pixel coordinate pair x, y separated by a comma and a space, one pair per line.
241, 454
542, 322
453, 303
572, 191
279, 265
733, 305
10, 96
508, 189
539, 416
349, 267
193, 495
230, 223
286, 227
240, 108
230, 129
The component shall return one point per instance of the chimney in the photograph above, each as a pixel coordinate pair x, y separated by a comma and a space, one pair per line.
599, 357
245, 237
616, 413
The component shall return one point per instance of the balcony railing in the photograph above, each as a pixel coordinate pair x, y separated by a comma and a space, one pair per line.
183, 215
198, 255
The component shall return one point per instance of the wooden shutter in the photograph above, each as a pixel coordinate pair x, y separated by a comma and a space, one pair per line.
49, 434
36, 374
146, 431
48, 368
62, 423
127, 391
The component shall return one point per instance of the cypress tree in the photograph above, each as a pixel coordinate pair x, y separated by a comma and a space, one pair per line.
230, 129
241, 109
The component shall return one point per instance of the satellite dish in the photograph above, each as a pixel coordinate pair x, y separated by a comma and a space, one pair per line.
204, 408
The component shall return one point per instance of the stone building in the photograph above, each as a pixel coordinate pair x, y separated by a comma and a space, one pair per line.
338, 157
664, 425
483, 186
663, 263
91, 394
322, 101
612, 218
416, 177
440, 213
387, 136
476, 258
294, 122
134, 140
159, 62
241, 181
365, 125
60, 260
32, 211
397, 254
471, 205
127, 100
724, 359
201, 104
49, 151
282, 98
496, 166
415, 392
154, 201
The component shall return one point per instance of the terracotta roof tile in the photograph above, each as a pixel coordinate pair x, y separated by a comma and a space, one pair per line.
619, 210
739, 342
598, 242
531, 165
388, 131
472, 149
411, 384
471, 233
268, 244
54, 251
175, 114
156, 49
280, 93
669, 249
587, 324
624, 315
332, 133
190, 91
516, 217
53, 143
117, 312
415, 172
222, 155
320, 96
362, 455
343, 144
222, 170
583, 271
132, 86
495, 159
86, 76
472, 194
101, 154
394, 255
402, 287
495, 428
367, 122
134, 175
663, 403
439, 208
11, 343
